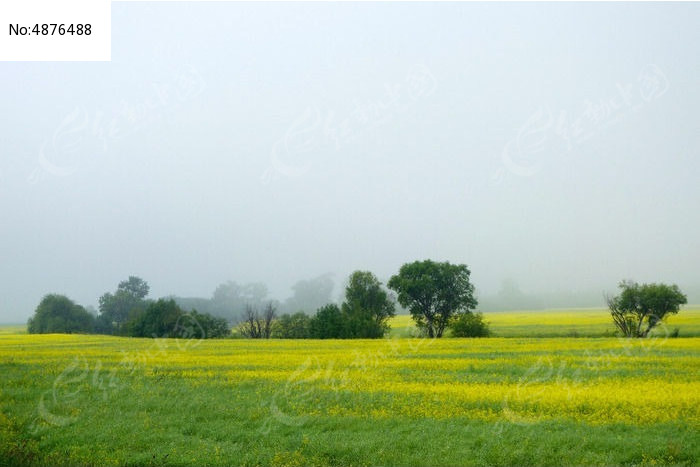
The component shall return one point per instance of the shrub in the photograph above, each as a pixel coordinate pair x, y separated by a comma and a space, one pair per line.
59, 314
164, 318
295, 326
327, 323
469, 325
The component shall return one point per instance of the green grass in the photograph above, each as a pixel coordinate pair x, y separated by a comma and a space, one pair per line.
98, 400
573, 322
94, 400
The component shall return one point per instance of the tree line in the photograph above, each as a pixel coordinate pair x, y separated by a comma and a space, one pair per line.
438, 295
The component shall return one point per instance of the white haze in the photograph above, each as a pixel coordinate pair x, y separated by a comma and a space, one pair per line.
554, 146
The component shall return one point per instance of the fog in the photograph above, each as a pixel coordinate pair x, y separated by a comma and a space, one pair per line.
553, 148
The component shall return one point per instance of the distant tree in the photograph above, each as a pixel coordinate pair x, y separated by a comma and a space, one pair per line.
469, 324
59, 314
367, 307
230, 299
251, 324
197, 325
256, 325
159, 319
119, 307
433, 293
268, 316
639, 308
164, 318
309, 295
135, 286
294, 326
202, 305
327, 323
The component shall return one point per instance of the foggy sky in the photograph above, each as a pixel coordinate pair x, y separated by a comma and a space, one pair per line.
555, 145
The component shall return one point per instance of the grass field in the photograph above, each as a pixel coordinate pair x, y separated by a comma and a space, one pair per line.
575, 322
85, 400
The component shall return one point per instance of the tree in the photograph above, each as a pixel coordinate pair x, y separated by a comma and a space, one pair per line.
469, 325
433, 293
135, 286
294, 326
121, 306
231, 299
59, 314
367, 307
327, 323
159, 319
309, 294
256, 325
165, 318
197, 325
639, 308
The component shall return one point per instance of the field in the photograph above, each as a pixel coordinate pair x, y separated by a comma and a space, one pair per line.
77, 400
574, 322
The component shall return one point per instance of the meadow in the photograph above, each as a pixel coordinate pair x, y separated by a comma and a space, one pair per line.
100, 400
572, 322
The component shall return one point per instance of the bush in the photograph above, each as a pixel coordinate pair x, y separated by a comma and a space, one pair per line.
158, 320
59, 314
469, 325
327, 323
296, 326
203, 325
367, 307
164, 318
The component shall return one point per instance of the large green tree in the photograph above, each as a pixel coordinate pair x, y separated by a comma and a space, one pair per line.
367, 307
434, 292
327, 323
159, 319
117, 308
59, 314
641, 307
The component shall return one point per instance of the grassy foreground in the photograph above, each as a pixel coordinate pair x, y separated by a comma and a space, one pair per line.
82, 400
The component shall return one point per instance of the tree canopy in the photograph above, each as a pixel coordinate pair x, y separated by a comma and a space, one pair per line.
59, 314
117, 308
433, 293
367, 307
641, 307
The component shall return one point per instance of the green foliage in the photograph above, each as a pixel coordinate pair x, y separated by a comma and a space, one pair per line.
134, 286
433, 293
164, 318
59, 314
327, 323
158, 320
201, 326
118, 308
469, 325
294, 326
639, 308
367, 307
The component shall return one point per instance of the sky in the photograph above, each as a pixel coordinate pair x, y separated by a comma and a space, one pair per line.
554, 145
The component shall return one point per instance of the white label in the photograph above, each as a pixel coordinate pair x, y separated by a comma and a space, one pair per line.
55, 30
